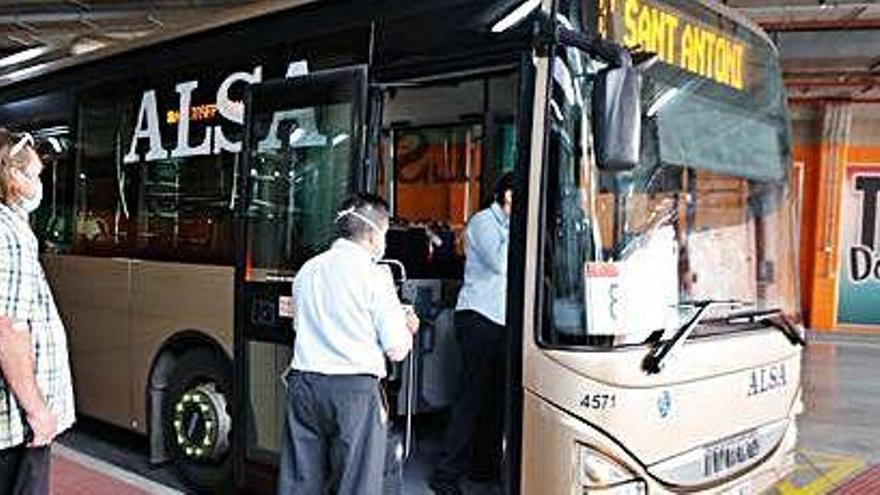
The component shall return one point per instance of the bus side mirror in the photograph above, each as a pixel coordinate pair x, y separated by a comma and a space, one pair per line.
617, 112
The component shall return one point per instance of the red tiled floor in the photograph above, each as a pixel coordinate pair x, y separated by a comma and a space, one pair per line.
72, 478
868, 482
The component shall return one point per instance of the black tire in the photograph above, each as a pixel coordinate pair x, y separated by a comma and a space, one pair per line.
201, 378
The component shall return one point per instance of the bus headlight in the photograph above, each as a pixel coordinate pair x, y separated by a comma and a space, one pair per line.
597, 474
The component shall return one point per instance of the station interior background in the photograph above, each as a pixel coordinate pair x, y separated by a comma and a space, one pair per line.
830, 53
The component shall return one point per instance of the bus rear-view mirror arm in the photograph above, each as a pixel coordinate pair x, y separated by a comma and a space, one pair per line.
616, 99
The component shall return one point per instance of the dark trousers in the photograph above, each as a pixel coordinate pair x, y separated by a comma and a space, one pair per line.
335, 436
25, 471
476, 424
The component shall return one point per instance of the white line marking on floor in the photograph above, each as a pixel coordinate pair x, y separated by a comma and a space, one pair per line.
113, 471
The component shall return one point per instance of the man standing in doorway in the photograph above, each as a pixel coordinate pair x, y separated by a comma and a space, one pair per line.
479, 328
36, 393
348, 318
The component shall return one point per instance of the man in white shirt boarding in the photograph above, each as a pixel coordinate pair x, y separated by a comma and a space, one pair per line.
347, 319
475, 429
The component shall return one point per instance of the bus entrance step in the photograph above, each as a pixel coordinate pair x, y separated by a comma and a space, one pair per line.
74, 473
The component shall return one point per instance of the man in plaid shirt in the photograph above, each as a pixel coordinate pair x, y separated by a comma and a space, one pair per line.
36, 394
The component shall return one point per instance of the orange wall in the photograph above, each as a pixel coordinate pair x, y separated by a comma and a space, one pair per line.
808, 155
820, 214
865, 154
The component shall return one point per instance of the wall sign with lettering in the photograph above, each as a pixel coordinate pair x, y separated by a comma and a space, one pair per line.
859, 280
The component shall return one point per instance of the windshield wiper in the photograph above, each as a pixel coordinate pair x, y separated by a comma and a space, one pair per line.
774, 317
656, 358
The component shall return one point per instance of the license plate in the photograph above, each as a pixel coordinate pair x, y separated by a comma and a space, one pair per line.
728, 455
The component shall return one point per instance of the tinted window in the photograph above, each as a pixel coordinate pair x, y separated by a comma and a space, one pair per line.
102, 215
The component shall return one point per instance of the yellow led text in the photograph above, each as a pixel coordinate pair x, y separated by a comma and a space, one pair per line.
684, 44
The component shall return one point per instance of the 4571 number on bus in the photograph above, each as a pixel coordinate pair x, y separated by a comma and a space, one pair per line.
599, 401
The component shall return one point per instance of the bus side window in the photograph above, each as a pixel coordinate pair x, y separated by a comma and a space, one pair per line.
101, 216
53, 221
183, 209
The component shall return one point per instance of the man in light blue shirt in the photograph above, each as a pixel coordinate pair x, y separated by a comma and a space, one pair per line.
485, 269
348, 319
474, 433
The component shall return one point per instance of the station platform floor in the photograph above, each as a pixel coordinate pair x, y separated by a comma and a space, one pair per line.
75, 473
839, 431
838, 454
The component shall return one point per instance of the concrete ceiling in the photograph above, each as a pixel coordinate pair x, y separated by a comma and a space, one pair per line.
830, 49
33, 32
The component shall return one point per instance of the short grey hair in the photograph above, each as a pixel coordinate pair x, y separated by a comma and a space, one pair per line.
355, 209
16, 152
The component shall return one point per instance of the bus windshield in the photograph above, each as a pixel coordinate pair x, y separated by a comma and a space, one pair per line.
707, 214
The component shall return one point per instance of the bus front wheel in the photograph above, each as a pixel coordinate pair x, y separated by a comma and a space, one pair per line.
197, 419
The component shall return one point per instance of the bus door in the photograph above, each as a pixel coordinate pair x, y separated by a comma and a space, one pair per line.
301, 158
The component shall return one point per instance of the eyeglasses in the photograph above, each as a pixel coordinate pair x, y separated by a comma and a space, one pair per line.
23, 139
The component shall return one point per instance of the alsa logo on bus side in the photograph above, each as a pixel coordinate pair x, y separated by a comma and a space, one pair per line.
767, 378
214, 140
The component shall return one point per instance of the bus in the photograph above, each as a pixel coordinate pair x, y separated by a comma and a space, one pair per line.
654, 334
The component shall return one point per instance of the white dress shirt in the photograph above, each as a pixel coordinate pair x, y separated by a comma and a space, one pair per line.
485, 269
347, 315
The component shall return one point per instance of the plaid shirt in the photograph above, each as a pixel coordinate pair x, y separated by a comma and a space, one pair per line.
25, 296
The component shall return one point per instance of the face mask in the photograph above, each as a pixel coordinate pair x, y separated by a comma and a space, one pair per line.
380, 251
30, 204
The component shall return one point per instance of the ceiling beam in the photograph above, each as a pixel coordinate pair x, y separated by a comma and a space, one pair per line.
820, 25
812, 100
834, 72
762, 8
62, 28
825, 83
827, 49
53, 6
35, 19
